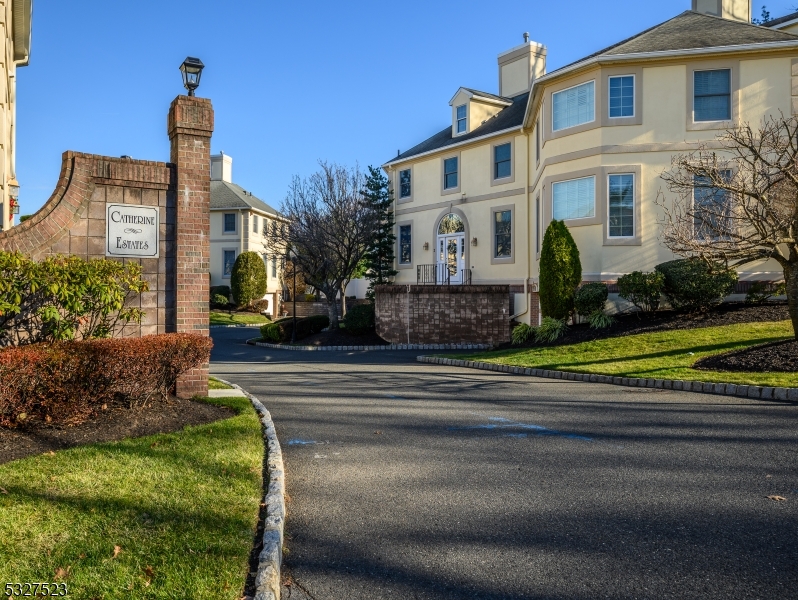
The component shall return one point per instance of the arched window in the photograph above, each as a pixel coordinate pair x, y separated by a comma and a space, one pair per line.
451, 223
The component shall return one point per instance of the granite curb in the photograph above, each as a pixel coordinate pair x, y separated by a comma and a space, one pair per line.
780, 394
267, 581
237, 325
254, 342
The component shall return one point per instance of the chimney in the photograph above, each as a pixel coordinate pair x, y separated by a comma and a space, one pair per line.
221, 168
734, 10
520, 66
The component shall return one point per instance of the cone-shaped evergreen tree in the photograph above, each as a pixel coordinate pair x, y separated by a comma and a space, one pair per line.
560, 271
380, 255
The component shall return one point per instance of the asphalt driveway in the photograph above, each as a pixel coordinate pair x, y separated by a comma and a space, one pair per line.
420, 481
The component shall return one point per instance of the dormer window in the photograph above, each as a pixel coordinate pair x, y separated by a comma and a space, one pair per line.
462, 124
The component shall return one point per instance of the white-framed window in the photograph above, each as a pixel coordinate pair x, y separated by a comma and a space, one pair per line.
537, 143
462, 121
274, 266
450, 173
229, 223
228, 260
712, 95
621, 206
502, 161
711, 209
574, 199
622, 96
405, 245
574, 106
265, 226
405, 188
254, 223
503, 234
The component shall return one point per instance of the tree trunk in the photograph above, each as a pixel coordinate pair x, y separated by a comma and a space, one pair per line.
332, 311
791, 282
343, 300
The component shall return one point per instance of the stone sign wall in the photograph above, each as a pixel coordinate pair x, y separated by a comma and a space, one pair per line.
155, 214
432, 314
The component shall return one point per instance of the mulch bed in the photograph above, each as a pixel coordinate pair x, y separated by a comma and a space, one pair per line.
116, 423
776, 356
634, 323
339, 337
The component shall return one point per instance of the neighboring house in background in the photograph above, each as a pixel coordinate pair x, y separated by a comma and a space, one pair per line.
15, 19
241, 222
585, 144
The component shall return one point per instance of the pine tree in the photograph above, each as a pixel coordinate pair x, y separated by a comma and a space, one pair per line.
560, 271
380, 255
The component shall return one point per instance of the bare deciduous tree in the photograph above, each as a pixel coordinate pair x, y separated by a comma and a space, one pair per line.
736, 200
330, 228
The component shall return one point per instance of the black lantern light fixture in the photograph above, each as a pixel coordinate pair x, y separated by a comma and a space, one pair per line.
192, 71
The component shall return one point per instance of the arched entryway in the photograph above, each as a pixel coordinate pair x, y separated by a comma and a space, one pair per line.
451, 248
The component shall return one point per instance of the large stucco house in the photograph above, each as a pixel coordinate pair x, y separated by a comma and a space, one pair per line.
241, 222
585, 143
15, 20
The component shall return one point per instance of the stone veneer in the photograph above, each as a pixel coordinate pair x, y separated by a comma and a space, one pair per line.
72, 222
432, 314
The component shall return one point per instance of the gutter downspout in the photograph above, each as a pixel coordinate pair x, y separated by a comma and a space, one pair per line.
528, 236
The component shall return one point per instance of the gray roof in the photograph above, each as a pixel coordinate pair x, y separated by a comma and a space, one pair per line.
230, 195
691, 30
511, 116
780, 20
487, 95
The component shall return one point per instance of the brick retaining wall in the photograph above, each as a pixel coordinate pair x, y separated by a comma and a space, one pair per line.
443, 314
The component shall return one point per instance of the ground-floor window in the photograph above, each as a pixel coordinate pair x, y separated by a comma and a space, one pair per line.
405, 246
503, 228
621, 205
228, 260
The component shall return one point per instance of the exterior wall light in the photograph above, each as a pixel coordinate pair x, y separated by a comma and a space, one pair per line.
13, 189
426, 245
473, 241
192, 71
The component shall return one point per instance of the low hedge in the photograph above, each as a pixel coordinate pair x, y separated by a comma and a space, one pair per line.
694, 285
66, 382
360, 318
279, 332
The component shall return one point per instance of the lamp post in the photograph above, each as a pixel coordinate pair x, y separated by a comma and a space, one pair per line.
291, 255
192, 71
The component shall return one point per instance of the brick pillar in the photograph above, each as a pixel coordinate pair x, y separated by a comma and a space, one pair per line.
190, 127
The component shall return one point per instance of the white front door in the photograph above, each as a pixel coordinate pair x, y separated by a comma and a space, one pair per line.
451, 258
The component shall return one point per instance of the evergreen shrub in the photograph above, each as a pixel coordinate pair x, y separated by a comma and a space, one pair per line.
694, 285
591, 298
644, 290
279, 332
248, 279
360, 318
560, 272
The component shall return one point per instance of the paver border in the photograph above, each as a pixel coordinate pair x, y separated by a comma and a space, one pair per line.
780, 394
236, 325
255, 342
270, 560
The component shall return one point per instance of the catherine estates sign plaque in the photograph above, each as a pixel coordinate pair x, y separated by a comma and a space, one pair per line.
132, 231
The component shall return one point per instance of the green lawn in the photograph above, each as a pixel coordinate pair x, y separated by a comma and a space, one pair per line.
164, 516
237, 318
660, 355
215, 384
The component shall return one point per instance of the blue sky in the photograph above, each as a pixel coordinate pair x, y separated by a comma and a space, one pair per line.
291, 83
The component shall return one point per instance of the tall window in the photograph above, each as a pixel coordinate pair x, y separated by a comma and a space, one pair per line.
537, 224
574, 199
712, 209
404, 184
461, 119
712, 95
450, 173
228, 260
274, 266
229, 222
502, 163
265, 226
405, 256
621, 206
254, 223
503, 230
622, 96
537, 142
574, 106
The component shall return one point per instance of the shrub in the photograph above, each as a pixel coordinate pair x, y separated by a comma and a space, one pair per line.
221, 290
550, 330
693, 284
64, 298
590, 298
522, 333
600, 320
258, 306
644, 290
560, 272
310, 297
762, 291
360, 318
248, 279
280, 331
220, 300
66, 382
